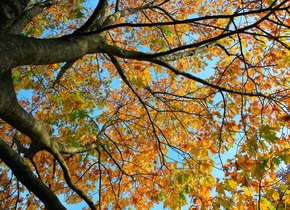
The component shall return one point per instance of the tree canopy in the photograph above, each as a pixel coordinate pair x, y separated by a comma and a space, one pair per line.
125, 104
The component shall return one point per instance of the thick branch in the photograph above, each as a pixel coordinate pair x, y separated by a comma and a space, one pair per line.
23, 173
95, 17
12, 113
118, 14
28, 15
18, 50
9, 12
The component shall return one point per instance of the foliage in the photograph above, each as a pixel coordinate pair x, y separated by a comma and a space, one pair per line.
133, 103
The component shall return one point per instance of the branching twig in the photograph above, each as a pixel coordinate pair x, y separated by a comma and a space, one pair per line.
124, 78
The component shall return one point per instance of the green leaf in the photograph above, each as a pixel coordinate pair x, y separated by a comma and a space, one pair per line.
166, 30
270, 2
79, 13
187, 189
263, 164
17, 76
182, 196
179, 179
277, 161
268, 133
78, 114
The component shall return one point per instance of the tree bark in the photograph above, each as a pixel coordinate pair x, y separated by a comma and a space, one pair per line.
19, 50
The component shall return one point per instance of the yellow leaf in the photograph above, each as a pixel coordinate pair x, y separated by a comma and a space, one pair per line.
67, 106
276, 196
231, 184
38, 32
286, 198
220, 189
265, 204
138, 81
158, 69
147, 77
247, 191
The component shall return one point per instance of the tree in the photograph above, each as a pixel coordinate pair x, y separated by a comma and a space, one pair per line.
132, 103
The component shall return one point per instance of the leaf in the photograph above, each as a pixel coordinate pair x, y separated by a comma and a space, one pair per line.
276, 196
181, 196
266, 205
247, 191
231, 184
268, 133
67, 106
166, 30
78, 114
38, 32
179, 179
270, 2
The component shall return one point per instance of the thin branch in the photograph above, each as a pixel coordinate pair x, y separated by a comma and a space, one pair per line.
112, 18
68, 179
124, 78
62, 71
66, 149
202, 81
94, 21
117, 6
